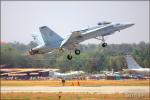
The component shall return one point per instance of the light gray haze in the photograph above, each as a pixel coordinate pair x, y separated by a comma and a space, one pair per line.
20, 19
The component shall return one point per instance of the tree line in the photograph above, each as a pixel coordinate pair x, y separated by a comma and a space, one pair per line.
93, 58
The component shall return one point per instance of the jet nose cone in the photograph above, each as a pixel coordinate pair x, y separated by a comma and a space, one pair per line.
129, 25
126, 25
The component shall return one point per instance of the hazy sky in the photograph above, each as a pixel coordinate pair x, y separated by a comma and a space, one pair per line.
20, 19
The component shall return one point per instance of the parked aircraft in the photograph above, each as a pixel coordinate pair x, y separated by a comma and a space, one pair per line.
68, 75
49, 41
135, 68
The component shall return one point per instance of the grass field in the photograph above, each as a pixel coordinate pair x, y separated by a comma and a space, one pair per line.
71, 96
76, 83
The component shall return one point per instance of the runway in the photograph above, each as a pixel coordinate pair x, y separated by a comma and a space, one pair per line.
78, 89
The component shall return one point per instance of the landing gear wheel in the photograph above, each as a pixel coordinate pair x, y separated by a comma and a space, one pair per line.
69, 57
77, 51
104, 44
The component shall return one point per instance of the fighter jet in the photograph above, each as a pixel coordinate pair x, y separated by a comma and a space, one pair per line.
135, 68
49, 41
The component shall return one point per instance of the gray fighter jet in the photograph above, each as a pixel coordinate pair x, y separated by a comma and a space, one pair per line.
49, 41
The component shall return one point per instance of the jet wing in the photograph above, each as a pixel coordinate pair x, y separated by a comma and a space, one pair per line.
70, 39
79, 36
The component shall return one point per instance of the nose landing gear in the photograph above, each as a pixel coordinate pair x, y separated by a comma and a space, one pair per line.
104, 44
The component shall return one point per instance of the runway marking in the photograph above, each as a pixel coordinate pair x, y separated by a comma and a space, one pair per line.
78, 89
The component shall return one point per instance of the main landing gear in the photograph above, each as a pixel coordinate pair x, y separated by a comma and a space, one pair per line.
77, 52
69, 57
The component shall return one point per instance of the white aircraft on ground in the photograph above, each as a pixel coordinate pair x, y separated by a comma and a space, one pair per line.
49, 41
135, 68
68, 75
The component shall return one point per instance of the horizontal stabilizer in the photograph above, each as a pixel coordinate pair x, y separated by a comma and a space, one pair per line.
37, 38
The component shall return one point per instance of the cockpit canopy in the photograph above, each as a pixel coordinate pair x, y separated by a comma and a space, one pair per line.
103, 23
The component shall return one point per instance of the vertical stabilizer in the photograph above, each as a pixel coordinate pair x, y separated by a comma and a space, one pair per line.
131, 63
50, 38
